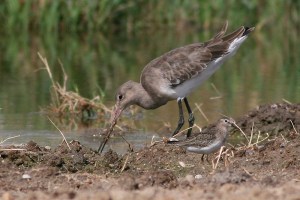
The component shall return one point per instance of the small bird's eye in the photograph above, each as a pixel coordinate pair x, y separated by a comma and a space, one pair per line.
226, 120
120, 97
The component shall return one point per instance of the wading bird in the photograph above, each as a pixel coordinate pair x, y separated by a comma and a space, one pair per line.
208, 141
177, 73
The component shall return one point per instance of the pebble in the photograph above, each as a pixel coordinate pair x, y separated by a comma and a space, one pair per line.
198, 176
182, 164
173, 139
47, 147
26, 176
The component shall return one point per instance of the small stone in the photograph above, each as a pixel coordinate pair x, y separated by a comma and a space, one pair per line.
111, 165
173, 139
26, 176
47, 147
182, 164
198, 176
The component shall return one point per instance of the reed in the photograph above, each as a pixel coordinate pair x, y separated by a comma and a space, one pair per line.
56, 17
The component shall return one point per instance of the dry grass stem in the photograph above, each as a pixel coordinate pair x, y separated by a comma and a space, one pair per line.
60, 133
9, 138
247, 172
44, 60
219, 95
259, 141
157, 141
251, 135
227, 155
125, 163
64, 73
224, 115
120, 128
294, 127
215, 165
284, 138
152, 143
286, 101
241, 132
201, 111
182, 131
129, 145
152, 139
199, 128
70, 104
13, 149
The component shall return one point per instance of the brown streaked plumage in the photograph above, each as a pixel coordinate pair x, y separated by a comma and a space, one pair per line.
209, 140
175, 74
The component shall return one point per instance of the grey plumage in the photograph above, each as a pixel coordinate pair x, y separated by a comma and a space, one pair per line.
177, 73
161, 79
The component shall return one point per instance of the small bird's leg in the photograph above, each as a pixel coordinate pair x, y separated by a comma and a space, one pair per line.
207, 158
181, 118
202, 157
191, 117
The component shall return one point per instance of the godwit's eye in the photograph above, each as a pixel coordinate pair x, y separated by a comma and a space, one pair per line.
226, 120
120, 97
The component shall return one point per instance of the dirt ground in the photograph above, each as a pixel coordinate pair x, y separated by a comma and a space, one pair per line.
266, 168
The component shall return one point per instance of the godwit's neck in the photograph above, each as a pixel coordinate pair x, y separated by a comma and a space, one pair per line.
145, 100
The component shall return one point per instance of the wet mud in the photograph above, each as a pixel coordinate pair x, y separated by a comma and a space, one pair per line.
267, 168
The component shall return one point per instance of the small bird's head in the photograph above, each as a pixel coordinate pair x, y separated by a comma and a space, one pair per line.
227, 122
126, 95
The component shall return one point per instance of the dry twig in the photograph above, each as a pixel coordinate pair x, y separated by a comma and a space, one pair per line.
217, 91
180, 133
215, 165
13, 149
125, 163
9, 138
241, 131
201, 111
294, 127
67, 102
60, 133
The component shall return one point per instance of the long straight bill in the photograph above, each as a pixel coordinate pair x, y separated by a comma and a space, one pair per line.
113, 121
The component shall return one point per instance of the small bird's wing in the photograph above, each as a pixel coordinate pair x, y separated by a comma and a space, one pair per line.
200, 140
183, 63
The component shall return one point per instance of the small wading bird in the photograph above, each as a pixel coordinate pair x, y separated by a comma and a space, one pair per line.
208, 141
177, 73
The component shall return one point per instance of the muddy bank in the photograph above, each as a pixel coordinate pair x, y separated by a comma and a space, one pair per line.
266, 170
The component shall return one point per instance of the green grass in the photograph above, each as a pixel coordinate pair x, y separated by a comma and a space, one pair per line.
83, 16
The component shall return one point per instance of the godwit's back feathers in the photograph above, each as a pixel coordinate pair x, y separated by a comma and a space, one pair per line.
183, 64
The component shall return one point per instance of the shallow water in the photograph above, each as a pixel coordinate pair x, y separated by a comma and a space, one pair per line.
266, 69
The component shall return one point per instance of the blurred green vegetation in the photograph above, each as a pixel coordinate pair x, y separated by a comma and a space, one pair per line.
103, 43
115, 16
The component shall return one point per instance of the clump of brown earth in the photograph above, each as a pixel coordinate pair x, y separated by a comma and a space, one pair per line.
272, 118
268, 170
